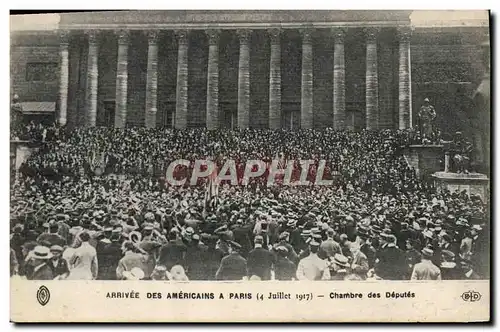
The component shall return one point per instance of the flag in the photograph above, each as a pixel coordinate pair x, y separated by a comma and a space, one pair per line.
212, 190
98, 163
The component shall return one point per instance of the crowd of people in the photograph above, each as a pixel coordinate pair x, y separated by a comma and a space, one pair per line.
94, 203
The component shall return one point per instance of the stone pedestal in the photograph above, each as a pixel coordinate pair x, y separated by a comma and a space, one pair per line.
473, 183
425, 159
20, 152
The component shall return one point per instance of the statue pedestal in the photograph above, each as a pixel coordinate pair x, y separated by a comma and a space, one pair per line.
20, 151
473, 183
425, 159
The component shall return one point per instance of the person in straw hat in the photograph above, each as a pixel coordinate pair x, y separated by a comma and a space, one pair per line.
38, 261
425, 270
177, 273
312, 267
134, 274
58, 264
133, 258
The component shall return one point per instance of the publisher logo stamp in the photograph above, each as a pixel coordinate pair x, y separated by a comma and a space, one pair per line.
471, 296
43, 295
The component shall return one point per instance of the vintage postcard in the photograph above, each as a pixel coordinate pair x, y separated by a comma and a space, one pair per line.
250, 166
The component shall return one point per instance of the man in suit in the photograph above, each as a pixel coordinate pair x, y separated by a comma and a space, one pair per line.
260, 260
284, 268
242, 234
390, 263
233, 266
38, 260
468, 272
58, 265
109, 252
426, 270
365, 245
359, 263
173, 252
329, 247
291, 254
195, 259
51, 237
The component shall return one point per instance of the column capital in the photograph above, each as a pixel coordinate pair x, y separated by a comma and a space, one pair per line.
274, 35
339, 34
123, 36
244, 35
182, 36
306, 34
213, 36
152, 36
404, 33
371, 34
64, 37
92, 35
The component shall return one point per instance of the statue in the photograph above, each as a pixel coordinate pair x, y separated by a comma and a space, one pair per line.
426, 117
16, 112
460, 150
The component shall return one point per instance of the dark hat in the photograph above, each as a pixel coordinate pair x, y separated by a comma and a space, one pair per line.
148, 246
362, 229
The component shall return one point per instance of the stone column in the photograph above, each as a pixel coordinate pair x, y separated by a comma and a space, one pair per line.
64, 78
213, 80
371, 79
92, 79
121, 79
244, 79
152, 79
181, 101
338, 79
405, 116
275, 80
306, 107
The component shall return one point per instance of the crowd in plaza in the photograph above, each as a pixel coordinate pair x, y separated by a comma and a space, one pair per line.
94, 203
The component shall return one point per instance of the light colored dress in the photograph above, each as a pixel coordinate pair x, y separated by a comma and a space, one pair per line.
84, 263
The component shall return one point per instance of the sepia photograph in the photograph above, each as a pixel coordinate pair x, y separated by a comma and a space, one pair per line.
320, 149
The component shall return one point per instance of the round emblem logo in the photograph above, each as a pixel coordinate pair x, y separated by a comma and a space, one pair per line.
43, 295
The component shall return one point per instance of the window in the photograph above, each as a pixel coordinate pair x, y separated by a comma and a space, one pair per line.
41, 71
442, 72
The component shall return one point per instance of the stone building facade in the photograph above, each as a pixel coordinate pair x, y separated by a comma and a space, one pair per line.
258, 69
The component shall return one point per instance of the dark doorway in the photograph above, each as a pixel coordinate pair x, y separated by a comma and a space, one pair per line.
109, 113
